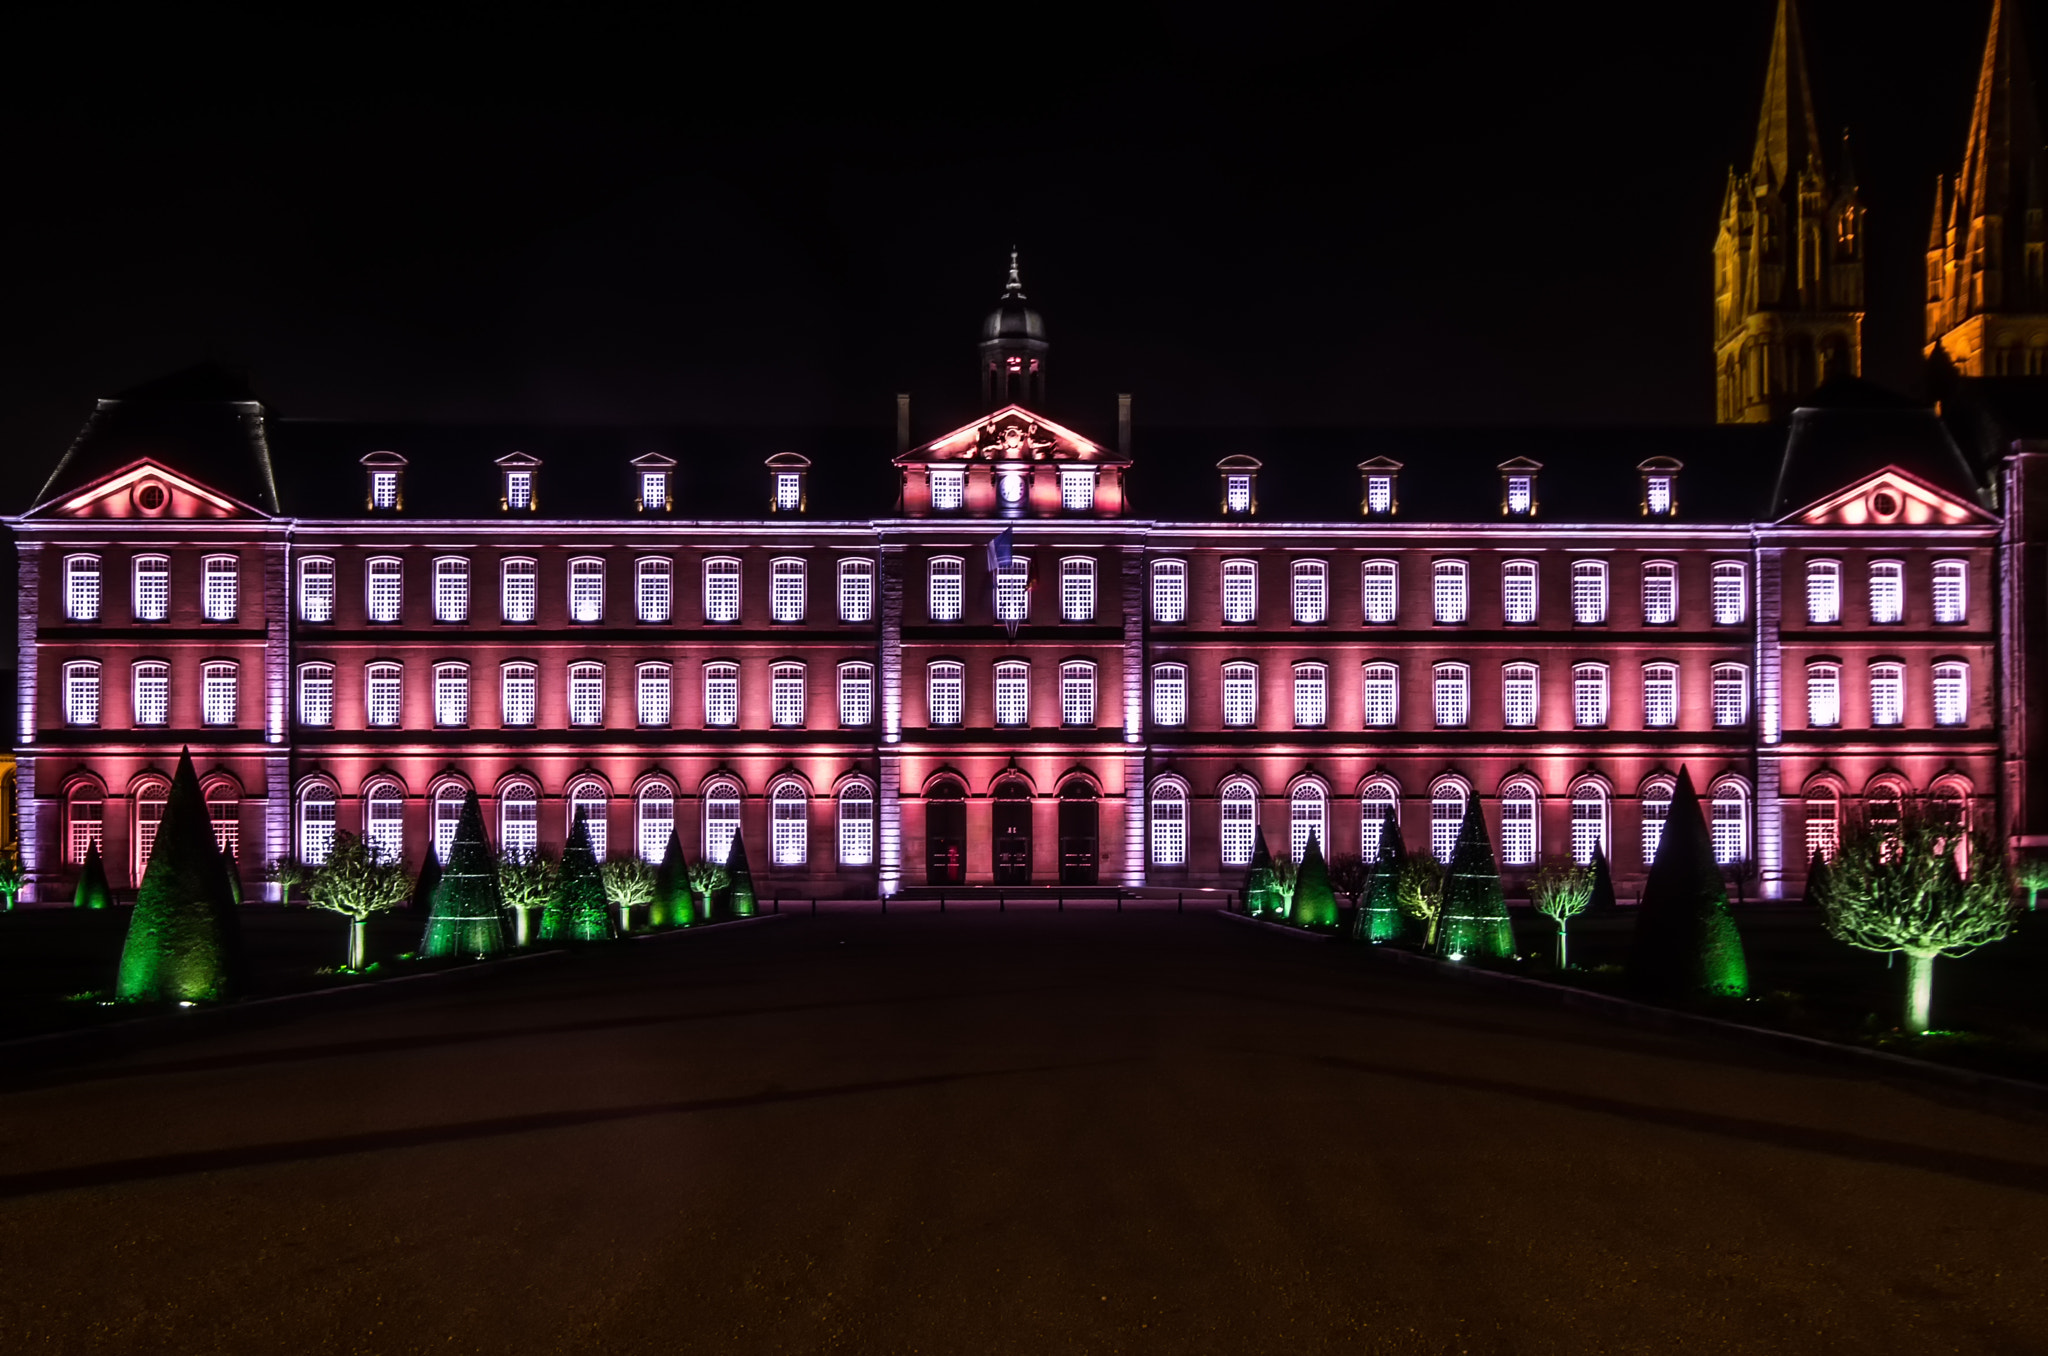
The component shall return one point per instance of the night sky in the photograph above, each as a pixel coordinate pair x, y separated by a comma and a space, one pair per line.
1467, 214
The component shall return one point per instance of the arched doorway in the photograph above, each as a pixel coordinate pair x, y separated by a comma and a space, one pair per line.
945, 834
1013, 834
1080, 822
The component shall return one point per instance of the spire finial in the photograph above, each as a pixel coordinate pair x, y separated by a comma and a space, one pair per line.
1016, 284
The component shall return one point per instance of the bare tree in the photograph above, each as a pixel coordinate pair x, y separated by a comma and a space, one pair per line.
1350, 875
708, 880
287, 874
525, 880
1420, 893
628, 883
357, 881
2033, 878
1561, 893
12, 877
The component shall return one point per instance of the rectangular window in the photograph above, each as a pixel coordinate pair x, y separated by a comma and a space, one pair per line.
1450, 592
219, 695
1731, 830
1589, 696
1518, 592
152, 694
789, 827
82, 694
1657, 496
383, 489
1311, 593
1379, 494
1453, 696
1077, 490
1380, 581
1589, 592
1382, 685
451, 589
519, 696
1887, 592
1169, 591
1951, 694
1240, 695
1240, 592
451, 695
316, 589
1013, 694
945, 590
1077, 695
949, 487
1518, 696
1237, 494
1731, 696
519, 490
316, 696
1731, 593
787, 592
856, 695
856, 827
1013, 590
222, 591
722, 590
1887, 694
1077, 589
586, 694
1240, 825
1518, 829
1660, 696
856, 591
1823, 592
82, 588
384, 589
786, 696
652, 595
1951, 592
654, 491
519, 589
1823, 696
1311, 697
1656, 810
383, 695
1169, 695
789, 491
653, 697
721, 696
1169, 826
942, 693
1660, 593
586, 591
1521, 496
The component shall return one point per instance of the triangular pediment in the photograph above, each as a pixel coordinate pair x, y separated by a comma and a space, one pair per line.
145, 488
1890, 498
1013, 433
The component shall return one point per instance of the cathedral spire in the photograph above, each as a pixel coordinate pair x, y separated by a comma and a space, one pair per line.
1787, 135
2005, 129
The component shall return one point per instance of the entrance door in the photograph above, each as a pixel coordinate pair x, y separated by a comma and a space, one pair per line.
1078, 825
945, 839
1013, 836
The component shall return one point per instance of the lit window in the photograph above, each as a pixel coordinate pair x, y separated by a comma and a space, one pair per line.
1731, 696
653, 699
1518, 696
519, 820
451, 695
316, 589
451, 589
856, 590
1823, 695
1660, 696
654, 820
152, 693
786, 696
652, 594
1453, 696
1240, 695
1660, 593
586, 591
1521, 496
789, 825
1169, 591
1311, 696
1951, 592
721, 589
1589, 696
317, 804
384, 589
1311, 593
1379, 494
1169, 694
1657, 496
222, 591
1823, 823
1589, 592
447, 818
151, 800
856, 825
1307, 817
1379, 802
654, 491
1887, 592
787, 593
1382, 695
383, 695
1077, 589
1823, 592
518, 697
1169, 821
1240, 591
519, 589
519, 490
1731, 823
1077, 695
1731, 593
1589, 821
1446, 817
942, 693
721, 820
1656, 805
789, 491
1951, 693
945, 594
383, 489
153, 589
1887, 694
1077, 489
1237, 494
219, 695
1518, 592
1013, 693
721, 696
1013, 590
949, 487
82, 693
589, 805
1518, 824
82, 588
586, 694
84, 822
1381, 588
1240, 823
1450, 592
856, 695
384, 822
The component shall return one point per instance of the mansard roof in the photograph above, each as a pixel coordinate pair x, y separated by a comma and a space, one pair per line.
203, 421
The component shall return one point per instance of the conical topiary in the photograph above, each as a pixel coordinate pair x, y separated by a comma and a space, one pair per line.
675, 906
1685, 940
1603, 882
1315, 901
1259, 894
184, 939
1475, 910
1817, 874
739, 893
1380, 918
234, 870
466, 915
429, 878
576, 909
93, 892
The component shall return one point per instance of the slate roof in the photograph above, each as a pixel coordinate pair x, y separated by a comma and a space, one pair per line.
204, 421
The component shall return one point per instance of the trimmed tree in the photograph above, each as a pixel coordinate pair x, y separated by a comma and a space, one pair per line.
465, 916
234, 870
740, 888
1315, 901
525, 881
356, 883
1903, 889
93, 892
1685, 940
576, 909
1419, 889
2032, 875
287, 874
708, 883
12, 877
1603, 882
673, 903
628, 884
1379, 917
184, 939
1475, 908
1259, 878
1561, 893
429, 877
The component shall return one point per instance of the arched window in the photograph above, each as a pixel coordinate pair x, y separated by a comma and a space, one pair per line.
654, 818
653, 589
590, 804
1077, 589
1887, 592
586, 694
1948, 804
1240, 592
721, 819
316, 823
221, 588
1453, 696
383, 694
1382, 695
1951, 592
1380, 581
1311, 592
518, 695
152, 588
451, 695
1731, 695
1013, 693
1951, 693
1823, 592
316, 695
384, 821
82, 588
1589, 592
1376, 802
1518, 696
1823, 695
1077, 694
586, 590
1240, 695
519, 820
788, 590
786, 696
1731, 821
1660, 696
150, 799
1170, 695
1169, 823
945, 590
1589, 696
1308, 817
652, 698
1656, 812
152, 681
1518, 823
943, 693
1240, 821
856, 696
1311, 696
316, 589
856, 824
1660, 593
84, 821
219, 694
721, 695
384, 588
1013, 590
448, 801
1823, 822
1589, 821
721, 589
82, 692
1450, 594
224, 813
1518, 592
789, 824
1446, 817
451, 589
1731, 593
1170, 591
1887, 694
856, 590
518, 589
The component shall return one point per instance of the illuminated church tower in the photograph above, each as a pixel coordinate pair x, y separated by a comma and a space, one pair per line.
1013, 350
1987, 297
1788, 261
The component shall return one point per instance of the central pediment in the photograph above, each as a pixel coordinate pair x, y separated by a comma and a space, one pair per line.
1012, 434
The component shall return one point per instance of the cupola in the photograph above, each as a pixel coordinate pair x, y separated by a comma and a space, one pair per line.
1012, 349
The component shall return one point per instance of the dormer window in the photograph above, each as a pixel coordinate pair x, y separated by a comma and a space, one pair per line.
383, 489
786, 476
789, 491
519, 490
516, 492
1660, 487
949, 487
1237, 494
1077, 489
1521, 494
1240, 485
1380, 498
387, 486
653, 491
1518, 487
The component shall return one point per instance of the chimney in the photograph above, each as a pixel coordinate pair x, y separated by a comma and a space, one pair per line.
1123, 425
902, 423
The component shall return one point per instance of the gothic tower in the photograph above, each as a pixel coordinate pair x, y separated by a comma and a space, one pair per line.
1788, 261
1987, 297
1013, 349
